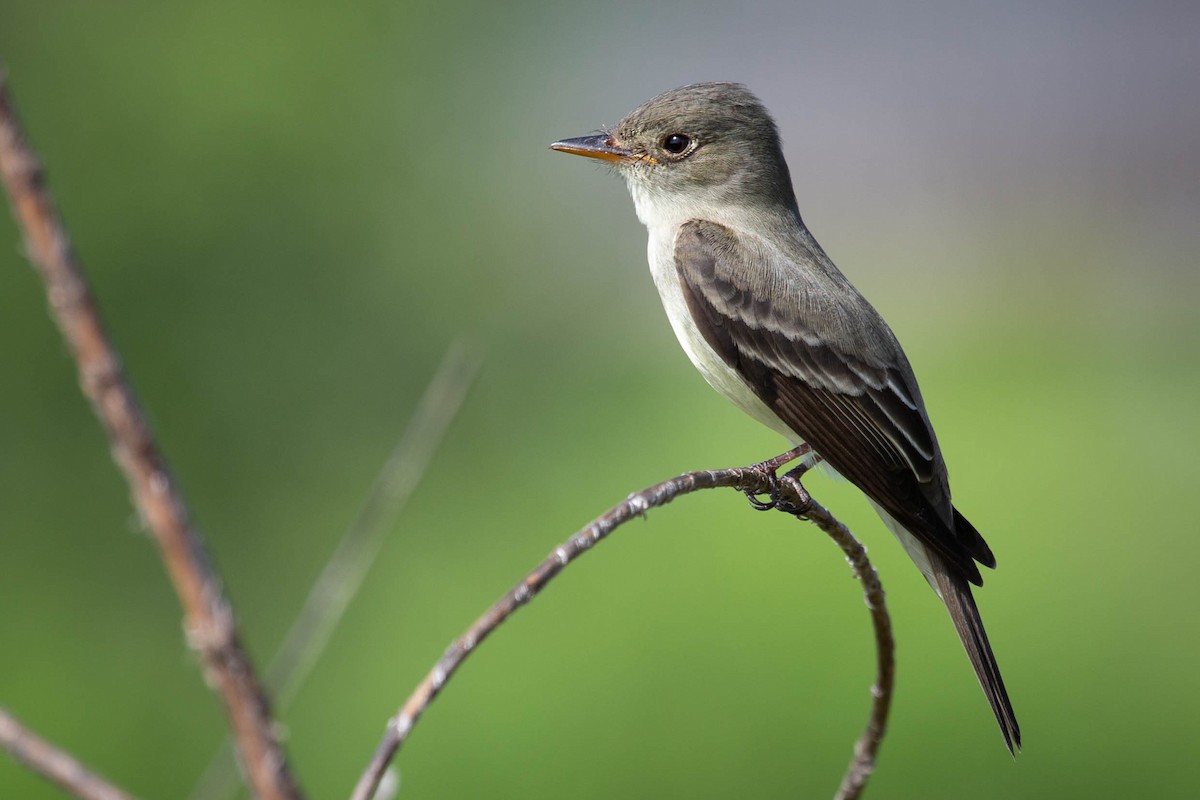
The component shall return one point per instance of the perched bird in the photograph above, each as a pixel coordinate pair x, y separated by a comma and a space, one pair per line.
774, 326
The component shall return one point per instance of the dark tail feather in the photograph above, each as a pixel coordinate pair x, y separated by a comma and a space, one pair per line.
961, 604
970, 538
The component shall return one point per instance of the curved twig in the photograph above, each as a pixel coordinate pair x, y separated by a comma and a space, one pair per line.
867, 747
343, 575
209, 620
754, 480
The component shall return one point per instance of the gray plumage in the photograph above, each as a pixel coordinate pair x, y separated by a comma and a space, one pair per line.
772, 324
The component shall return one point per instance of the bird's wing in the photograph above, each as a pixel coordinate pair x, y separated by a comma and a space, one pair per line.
852, 400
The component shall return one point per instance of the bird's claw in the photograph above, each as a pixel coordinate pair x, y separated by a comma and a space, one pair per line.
773, 492
803, 501
775, 484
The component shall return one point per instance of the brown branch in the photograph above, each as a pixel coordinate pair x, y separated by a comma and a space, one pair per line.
867, 747
53, 764
343, 575
209, 620
787, 495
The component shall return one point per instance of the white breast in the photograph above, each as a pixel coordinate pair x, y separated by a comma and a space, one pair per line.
722, 377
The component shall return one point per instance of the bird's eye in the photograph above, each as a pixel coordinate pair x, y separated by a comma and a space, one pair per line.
676, 143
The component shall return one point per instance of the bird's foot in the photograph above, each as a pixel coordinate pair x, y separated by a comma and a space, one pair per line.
767, 470
773, 493
799, 501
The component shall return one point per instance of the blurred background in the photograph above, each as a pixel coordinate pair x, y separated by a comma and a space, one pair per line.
289, 210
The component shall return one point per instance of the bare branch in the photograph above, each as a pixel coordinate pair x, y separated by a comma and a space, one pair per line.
786, 495
53, 764
343, 575
209, 620
867, 747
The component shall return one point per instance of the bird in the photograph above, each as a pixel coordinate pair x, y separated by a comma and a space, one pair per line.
773, 325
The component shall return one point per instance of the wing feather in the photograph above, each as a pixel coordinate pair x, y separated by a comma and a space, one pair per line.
858, 407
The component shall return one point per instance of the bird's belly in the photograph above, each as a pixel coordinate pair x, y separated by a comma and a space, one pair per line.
719, 374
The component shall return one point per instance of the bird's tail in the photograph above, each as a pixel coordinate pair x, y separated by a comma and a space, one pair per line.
956, 594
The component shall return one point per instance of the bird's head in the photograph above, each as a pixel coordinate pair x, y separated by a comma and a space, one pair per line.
707, 142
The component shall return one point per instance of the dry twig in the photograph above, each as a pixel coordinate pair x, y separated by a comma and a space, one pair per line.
786, 494
342, 577
53, 764
209, 621
867, 747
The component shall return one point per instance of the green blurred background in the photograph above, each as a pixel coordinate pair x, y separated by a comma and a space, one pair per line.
289, 210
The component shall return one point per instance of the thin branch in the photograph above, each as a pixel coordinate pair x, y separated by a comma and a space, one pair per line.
208, 617
786, 494
343, 575
53, 764
866, 749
